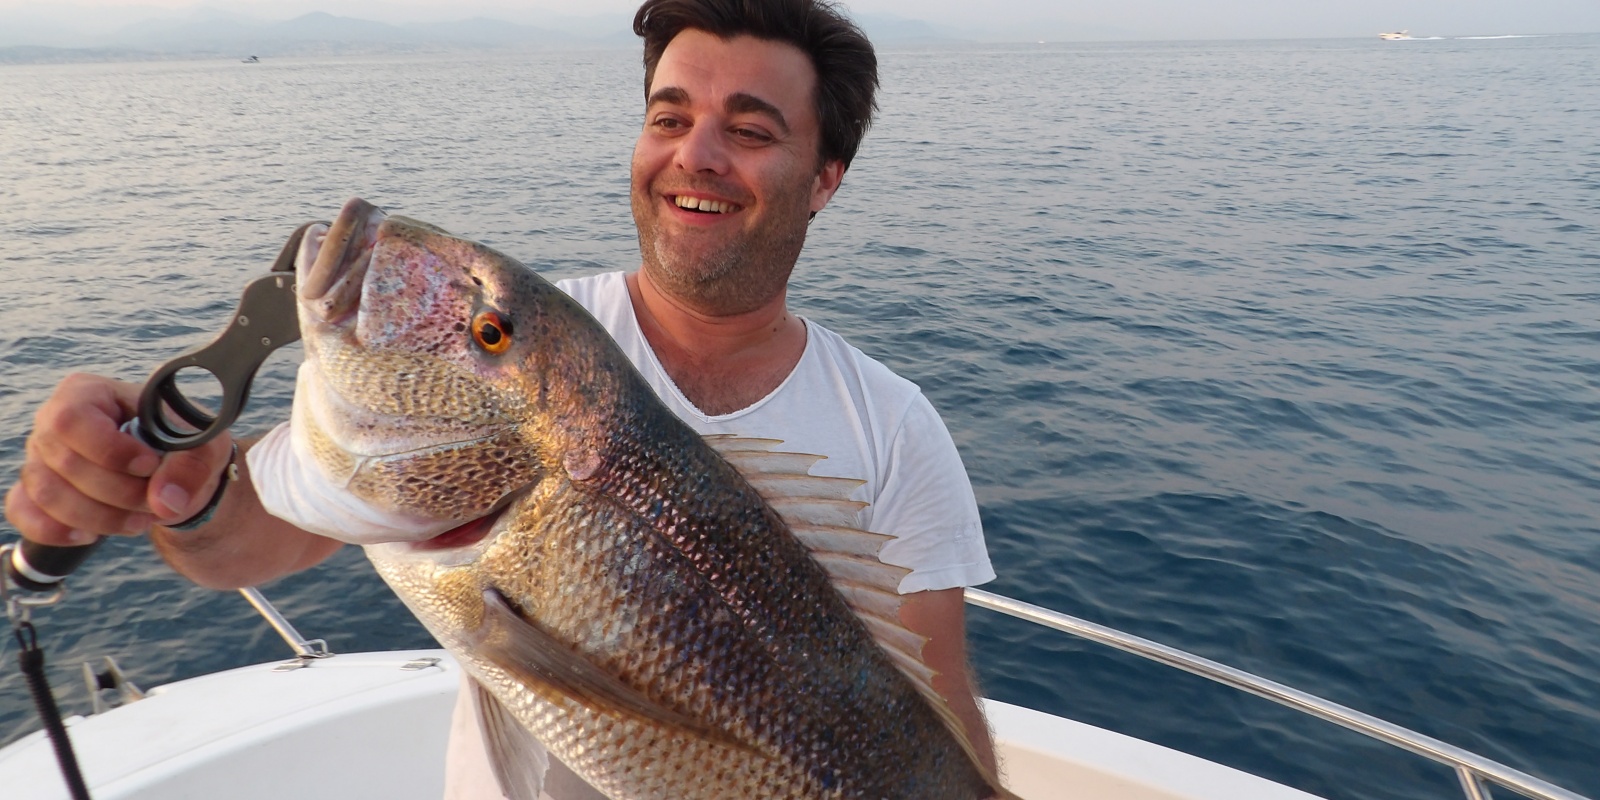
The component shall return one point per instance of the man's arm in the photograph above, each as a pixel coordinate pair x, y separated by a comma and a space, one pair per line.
940, 615
81, 477
242, 545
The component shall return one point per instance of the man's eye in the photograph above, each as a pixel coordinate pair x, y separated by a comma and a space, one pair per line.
751, 135
668, 124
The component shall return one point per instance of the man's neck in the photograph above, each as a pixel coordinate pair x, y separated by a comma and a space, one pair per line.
721, 363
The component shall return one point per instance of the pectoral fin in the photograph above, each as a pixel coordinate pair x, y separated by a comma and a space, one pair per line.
531, 654
519, 760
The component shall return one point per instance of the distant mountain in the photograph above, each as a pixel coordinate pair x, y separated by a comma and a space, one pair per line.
67, 33
41, 54
207, 32
319, 26
324, 33
889, 28
482, 30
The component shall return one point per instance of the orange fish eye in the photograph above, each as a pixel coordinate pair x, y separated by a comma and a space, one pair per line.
492, 332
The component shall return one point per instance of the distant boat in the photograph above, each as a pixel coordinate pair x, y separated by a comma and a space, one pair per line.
257, 59
1395, 37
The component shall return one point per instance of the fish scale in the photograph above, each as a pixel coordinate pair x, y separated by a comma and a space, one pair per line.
636, 605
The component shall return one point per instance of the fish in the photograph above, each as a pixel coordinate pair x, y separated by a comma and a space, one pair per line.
671, 615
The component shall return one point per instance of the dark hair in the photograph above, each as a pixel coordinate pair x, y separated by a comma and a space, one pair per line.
847, 68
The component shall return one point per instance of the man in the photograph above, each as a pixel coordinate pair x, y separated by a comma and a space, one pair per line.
754, 109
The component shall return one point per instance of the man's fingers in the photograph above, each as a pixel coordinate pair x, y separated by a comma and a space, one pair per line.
80, 473
111, 487
30, 520
186, 479
85, 414
34, 524
42, 490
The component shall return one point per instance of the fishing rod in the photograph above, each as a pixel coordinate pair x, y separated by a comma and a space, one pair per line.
35, 574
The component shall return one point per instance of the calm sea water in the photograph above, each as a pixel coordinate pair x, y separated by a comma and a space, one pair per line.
1286, 353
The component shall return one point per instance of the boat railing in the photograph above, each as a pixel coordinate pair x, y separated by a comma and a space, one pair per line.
1475, 772
305, 650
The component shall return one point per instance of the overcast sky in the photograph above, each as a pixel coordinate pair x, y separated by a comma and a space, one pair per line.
1131, 19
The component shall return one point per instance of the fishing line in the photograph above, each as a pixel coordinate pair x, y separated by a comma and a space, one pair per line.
31, 659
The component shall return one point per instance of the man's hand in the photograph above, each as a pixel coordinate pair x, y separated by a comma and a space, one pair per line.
82, 477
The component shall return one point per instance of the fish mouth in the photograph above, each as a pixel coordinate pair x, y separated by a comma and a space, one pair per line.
464, 535
456, 547
333, 260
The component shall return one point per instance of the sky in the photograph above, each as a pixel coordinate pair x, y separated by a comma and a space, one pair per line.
1059, 19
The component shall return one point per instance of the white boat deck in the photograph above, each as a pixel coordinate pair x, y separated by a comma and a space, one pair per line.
364, 726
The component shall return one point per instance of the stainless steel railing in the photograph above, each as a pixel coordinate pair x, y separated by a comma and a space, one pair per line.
305, 650
1475, 771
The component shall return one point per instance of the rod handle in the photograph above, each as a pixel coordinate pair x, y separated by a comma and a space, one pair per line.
42, 567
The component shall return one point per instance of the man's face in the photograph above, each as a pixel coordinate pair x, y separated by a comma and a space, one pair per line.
726, 172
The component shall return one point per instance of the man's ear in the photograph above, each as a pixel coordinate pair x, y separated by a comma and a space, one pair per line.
825, 184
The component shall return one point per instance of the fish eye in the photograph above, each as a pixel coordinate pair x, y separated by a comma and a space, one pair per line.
492, 332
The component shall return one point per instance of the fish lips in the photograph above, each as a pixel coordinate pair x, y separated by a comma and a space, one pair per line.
332, 263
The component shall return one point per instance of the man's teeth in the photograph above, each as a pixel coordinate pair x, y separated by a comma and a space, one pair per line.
702, 204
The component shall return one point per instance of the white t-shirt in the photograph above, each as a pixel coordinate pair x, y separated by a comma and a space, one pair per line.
871, 425
868, 422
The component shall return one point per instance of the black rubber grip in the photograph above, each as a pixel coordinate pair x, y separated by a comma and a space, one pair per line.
41, 567
44, 566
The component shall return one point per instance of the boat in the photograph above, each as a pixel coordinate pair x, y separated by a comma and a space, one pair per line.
1395, 37
321, 726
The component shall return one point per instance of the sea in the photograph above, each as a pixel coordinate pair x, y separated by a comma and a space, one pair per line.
1285, 353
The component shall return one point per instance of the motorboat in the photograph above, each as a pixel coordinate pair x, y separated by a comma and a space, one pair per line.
321, 726
1395, 36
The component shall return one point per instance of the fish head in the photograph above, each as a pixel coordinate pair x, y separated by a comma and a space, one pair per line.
425, 356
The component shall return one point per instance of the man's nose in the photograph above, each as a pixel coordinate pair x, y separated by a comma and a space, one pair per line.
703, 149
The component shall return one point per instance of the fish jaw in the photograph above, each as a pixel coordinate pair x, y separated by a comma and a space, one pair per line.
333, 260
393, 404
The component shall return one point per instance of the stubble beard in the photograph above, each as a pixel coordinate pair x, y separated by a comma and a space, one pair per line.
742, 274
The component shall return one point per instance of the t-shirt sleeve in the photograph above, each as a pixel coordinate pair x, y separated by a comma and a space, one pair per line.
926, 503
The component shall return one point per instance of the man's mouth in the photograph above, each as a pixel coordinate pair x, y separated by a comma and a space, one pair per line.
704, 205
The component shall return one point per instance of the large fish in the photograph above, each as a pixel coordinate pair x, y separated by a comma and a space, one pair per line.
672, 616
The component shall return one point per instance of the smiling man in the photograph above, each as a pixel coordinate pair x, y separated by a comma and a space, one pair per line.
726, 175
753, 112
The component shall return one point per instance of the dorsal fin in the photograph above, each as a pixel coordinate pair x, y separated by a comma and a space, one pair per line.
725, 442
814, 510
821, 515
810, 487
865, 570
761, 462
840, 539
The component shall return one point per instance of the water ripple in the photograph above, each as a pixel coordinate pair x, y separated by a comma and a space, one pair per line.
1237, 358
